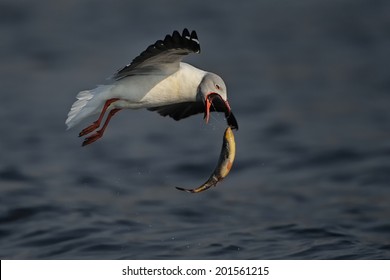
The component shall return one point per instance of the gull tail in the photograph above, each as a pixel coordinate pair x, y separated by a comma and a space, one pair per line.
87, 104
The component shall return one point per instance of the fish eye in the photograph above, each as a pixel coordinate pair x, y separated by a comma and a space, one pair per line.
217, 86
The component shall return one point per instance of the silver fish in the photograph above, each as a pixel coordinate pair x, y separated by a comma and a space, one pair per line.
225, 163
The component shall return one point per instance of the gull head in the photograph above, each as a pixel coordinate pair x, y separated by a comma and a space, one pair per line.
212, 90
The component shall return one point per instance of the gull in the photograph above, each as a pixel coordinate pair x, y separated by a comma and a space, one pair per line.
159, 81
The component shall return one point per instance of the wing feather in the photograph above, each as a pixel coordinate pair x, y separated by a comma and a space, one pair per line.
179, 111
183, 110
163, 56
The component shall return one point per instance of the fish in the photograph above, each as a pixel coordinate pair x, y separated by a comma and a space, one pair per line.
225, 163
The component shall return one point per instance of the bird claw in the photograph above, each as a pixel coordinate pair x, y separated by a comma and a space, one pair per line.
92, 138
89, 129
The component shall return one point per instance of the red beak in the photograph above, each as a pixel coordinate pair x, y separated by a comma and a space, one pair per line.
209, 102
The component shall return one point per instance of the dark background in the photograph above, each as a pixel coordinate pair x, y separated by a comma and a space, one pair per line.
307, 80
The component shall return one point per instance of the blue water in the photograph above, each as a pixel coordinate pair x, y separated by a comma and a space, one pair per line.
308, 81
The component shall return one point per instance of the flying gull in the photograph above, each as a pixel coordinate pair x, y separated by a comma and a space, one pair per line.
158, 81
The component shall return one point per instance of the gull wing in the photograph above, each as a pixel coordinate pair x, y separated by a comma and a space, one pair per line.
162, 57
179, 111
183, 110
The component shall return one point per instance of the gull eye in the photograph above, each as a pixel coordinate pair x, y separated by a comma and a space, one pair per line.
217, 87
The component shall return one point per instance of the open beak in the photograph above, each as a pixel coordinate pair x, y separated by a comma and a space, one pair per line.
220, 105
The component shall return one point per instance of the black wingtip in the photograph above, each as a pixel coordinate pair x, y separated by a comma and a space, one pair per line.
192, 38
175, 34
194, 35
186, 41
185, 33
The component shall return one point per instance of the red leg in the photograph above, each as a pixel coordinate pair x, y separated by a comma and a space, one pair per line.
96, 124
98, 134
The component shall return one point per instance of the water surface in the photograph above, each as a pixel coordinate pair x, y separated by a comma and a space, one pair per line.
308, 83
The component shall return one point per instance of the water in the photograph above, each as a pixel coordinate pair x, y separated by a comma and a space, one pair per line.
308, 83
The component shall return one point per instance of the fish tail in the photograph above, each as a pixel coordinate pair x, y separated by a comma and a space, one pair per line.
211, 182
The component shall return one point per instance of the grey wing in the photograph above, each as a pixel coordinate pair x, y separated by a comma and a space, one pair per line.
163, 56
179, 111
183, 110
